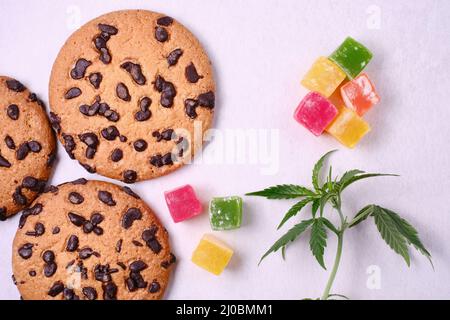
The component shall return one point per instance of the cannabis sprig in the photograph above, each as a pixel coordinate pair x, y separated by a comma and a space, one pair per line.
397, 232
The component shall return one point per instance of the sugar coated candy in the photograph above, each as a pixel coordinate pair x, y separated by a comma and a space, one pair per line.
352, 57
336, 97
212, 254
183, 203
348, 128
315, 113
323, 77
359, 94
225, 213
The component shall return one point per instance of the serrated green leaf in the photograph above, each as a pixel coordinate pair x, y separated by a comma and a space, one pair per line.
317, 169
349, 181
296, 208
362, 215
330, 182
390, 233
290, 236
315, 207
324, 200
329, 225
349, 175
409, 232
318, 240
285, 191
283, 253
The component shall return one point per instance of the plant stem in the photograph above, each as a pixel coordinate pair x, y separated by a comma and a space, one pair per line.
337, 260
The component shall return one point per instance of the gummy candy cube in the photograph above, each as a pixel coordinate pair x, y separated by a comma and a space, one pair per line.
183, 203
352, 57
336, 97
359, 94
212, 255
323, 77
348, 128
315, 113
225, 213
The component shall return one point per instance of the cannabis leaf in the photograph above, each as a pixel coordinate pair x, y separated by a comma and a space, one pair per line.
396, 231
357, 177
285, 191
290, 236
318, 240
324, 200
349, 175
296, 208
390, 233
330, 183
362, 215
315, 207
406, 230
316, 171
329, 225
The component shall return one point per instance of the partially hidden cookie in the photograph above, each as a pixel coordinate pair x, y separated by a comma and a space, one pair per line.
27, 147
127, 91
91, 240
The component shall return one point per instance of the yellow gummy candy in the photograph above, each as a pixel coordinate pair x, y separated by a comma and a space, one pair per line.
348, 128
212, 255
324, 77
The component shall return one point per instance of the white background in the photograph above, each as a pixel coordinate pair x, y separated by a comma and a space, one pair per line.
260, 51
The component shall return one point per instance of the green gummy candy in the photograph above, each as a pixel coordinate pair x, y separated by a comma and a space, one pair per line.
352, 57
225, 213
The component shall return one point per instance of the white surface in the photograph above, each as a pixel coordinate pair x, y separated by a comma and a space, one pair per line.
260, 51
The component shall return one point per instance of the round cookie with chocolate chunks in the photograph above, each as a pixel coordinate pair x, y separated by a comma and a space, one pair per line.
127, 92
91, 240
27, 147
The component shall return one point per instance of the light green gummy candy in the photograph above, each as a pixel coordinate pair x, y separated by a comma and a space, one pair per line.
352, 57
225, 213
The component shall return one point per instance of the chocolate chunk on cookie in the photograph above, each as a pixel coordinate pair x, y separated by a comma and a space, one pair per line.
96, 79
13, 112
174, 56
135, 71
191, 74
73, 93
15, 85
164, 21
79, 69
205, 100
161, 34
111, 242
122, 92
27, 147
143, 72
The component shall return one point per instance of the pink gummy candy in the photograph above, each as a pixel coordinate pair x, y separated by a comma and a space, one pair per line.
315, 113
183, 203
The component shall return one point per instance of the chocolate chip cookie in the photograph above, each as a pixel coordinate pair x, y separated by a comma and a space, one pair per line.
127, 91
91, 240
27, 147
